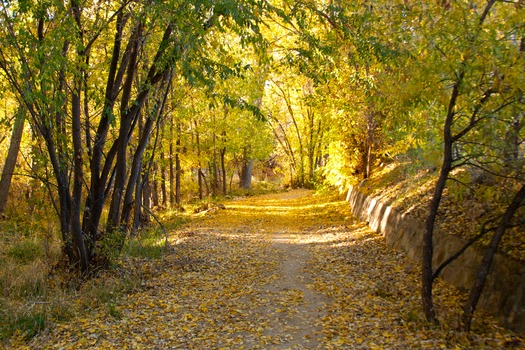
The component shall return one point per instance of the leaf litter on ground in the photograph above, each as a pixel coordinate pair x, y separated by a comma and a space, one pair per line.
281, 271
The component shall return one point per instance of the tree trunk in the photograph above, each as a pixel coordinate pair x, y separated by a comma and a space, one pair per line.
446, 168
177, 169
136, 165
171, 165
100, 174
486, 263
146, 197
163, 187
199, 181
127, 114
428, 244
155, 192
204, 182
137, 208
214, 168
223, 170
246, 174
199, 171
449, 140
12, 155
78, 181
76, 134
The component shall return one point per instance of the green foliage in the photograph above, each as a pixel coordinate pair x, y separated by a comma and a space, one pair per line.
148, 243
110, 246
25, 250
26, 325
113, 311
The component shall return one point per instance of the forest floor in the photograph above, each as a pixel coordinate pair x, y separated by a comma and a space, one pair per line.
281, 271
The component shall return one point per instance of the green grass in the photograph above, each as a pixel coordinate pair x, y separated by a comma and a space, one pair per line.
147, 244
25, 251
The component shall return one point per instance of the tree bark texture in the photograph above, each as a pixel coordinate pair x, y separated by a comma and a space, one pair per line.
12, 155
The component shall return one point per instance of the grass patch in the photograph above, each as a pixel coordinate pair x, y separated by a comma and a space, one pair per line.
25, 250
107, 287
23, 280
37, 291
147, 244
25, 326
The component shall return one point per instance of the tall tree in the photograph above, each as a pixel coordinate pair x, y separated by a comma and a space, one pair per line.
12, 155
471, 104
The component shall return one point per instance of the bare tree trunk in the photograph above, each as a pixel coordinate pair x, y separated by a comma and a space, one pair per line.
12, 155
177, 168
126, 121
155, 192
427, 277
76, 224
163, 188
204, 182
486, 263
199, 170
246, 173
223, 170
146, 197
214, 168
428, 245
199, 180
136, 165
78, 170
171, 165
311, 145
137, 208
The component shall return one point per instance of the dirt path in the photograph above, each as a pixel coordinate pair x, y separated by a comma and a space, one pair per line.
283, 271
304, 322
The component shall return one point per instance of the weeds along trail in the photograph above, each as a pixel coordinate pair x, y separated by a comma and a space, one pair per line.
281, 271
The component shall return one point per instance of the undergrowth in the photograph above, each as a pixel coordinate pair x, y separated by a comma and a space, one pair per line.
37, 290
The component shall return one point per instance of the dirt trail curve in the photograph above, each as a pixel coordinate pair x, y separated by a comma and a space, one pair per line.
282, 271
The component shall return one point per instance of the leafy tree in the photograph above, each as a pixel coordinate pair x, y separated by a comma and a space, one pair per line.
474, 101
92, 69
298, 126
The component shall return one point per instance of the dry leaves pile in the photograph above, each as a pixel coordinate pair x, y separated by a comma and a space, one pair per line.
287, 271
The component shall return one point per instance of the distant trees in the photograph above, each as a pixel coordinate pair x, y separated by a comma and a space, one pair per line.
298, 127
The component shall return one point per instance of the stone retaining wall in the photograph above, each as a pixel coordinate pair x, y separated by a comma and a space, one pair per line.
504, 293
